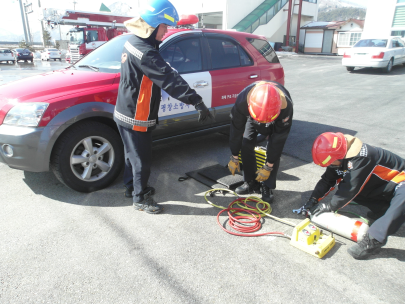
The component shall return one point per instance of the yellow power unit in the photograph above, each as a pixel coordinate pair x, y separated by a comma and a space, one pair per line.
260, 157
307, 237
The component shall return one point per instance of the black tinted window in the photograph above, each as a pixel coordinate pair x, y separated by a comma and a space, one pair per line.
91, 36
184, 56
227, 54
265, 49
5, 51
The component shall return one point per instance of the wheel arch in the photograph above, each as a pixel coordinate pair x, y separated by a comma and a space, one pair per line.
61, 123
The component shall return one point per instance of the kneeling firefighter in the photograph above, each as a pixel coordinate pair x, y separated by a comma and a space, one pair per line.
263, 107
143, 74
370, 176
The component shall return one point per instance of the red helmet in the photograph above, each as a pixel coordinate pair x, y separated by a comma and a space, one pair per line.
265, 103
329, 147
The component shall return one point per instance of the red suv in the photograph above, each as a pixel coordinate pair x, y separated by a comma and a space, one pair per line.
62, 120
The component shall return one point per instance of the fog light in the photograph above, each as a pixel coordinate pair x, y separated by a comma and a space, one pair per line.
8, 150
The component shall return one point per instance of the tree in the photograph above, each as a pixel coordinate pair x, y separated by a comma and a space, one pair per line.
47, 38
57, 45
24, 45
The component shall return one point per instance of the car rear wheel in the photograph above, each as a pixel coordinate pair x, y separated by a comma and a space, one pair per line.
388, 68
88, 157
350, 69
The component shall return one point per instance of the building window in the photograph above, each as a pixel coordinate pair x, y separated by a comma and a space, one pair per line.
398, 33
399, 17
348, 39
401, 1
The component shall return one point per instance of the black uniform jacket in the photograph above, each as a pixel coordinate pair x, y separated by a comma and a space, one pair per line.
373, 173
143, 73
277, 129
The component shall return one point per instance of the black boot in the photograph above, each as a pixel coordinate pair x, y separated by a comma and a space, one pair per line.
267, 194
365, 248
147, 203
249, 188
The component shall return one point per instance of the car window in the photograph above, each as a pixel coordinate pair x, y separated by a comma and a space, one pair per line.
5, 51
91, 36
371, 43
395, 43
264, 48
227, 54
184, 56
107, 57
401, 43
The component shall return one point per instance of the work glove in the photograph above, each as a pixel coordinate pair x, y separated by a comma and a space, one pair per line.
320, 208
308, 205
233, 165
263, 173
203, 112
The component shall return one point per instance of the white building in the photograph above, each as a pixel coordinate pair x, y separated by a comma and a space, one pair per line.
384, 18
261, 17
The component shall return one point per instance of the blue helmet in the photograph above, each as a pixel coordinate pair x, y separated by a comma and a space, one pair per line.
159, 11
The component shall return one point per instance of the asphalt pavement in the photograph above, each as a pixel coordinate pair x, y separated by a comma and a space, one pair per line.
61, 246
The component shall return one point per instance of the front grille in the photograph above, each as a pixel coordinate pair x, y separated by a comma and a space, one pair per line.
74, 55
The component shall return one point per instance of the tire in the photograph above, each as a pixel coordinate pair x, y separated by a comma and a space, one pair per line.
47, 59
25, 61
60, 59
388, 68
350, 69
71, 160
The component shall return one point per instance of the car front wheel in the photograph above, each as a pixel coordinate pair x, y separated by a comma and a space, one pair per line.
388, 68
350, 69
88, 157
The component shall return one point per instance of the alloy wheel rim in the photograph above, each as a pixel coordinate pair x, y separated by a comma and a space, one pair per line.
92, 158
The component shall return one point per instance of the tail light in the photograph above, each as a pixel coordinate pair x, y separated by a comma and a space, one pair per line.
379, 56
32, 54
346, 56
18, 54
49, 53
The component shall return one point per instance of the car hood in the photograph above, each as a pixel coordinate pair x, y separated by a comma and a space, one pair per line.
53, 84
51, 87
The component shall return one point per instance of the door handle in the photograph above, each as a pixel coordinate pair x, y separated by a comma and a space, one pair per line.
200, 84
253, 76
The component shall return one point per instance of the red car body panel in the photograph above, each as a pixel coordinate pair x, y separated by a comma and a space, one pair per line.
65, 88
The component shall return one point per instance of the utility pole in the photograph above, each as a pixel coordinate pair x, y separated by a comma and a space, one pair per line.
42, 25
74, 5
23, 20
29, 6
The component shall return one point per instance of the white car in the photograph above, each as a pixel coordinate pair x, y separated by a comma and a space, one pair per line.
375, 53
7, 56
48, 54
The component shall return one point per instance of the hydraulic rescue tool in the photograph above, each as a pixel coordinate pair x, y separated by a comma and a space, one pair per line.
245, 219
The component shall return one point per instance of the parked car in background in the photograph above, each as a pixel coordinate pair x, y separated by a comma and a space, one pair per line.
7, 56
63, 120
23, 54
375, 53
48, 54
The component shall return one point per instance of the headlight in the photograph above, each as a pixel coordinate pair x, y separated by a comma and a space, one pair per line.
26, 114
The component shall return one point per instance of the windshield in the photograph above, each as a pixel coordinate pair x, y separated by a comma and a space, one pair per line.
107, 57
76, 37
371, 43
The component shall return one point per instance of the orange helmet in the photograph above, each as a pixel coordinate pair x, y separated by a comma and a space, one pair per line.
329, 147
265, 103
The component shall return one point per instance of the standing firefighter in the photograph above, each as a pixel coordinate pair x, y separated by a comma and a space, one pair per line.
143, 74
263, 107
367, 175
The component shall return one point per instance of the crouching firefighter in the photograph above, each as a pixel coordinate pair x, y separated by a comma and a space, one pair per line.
143, 74
263, 107
370, 176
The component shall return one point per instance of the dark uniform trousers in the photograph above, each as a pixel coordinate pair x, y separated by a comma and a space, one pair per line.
249, 158
138, 159
393, 218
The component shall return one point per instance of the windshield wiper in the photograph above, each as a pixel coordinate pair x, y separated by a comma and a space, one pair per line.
90, 67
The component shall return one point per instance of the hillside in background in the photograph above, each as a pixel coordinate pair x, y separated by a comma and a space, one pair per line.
343, 13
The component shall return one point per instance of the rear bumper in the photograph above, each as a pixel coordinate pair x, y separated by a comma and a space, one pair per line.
26, 143
371, 63
7, 59
25, 58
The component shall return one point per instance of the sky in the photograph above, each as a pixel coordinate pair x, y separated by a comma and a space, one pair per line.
10, 15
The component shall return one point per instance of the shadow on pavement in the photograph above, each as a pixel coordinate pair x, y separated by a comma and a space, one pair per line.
396, 70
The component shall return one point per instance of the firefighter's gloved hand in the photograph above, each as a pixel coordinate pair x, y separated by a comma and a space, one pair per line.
263, 173
308, 205
320, 208
233, 165
203, 112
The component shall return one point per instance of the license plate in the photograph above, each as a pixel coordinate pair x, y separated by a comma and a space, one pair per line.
361, 54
